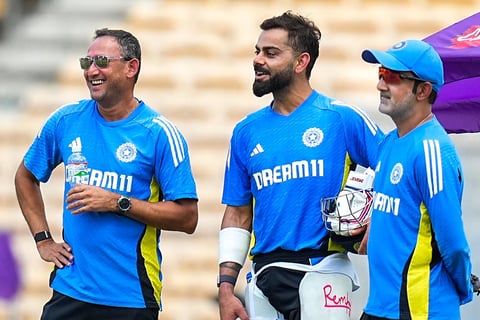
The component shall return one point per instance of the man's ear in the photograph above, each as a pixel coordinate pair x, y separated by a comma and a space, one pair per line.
302, 62
133, 66
424, 89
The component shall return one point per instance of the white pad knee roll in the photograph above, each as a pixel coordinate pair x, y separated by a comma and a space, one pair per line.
233, 244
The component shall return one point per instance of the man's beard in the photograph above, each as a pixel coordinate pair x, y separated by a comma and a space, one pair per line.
276, 82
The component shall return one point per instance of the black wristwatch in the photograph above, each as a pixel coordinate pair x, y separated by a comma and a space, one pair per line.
43, 235
124, 204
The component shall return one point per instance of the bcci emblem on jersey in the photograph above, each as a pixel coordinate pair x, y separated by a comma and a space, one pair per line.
127, 152
312, 137
396, 174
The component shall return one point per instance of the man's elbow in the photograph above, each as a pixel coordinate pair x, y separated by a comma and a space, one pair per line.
192, 222
190, 217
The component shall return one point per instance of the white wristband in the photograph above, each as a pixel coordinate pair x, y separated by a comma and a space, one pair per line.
233, 244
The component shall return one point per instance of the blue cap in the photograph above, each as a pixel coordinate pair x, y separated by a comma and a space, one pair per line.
416, 56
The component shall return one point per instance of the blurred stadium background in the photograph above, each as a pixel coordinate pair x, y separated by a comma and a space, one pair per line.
197, 70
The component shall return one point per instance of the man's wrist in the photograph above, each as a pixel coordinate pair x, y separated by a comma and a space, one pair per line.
42, 235
124, 204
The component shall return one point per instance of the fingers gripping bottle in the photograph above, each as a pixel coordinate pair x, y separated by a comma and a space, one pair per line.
77, 167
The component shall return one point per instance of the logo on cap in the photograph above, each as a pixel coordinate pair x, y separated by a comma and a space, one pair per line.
399, 45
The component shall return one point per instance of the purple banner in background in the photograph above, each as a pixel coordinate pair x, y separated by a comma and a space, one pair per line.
9, 272
458, 103
458, 106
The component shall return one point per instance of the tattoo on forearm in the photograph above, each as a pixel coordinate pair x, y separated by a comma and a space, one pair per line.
231, 265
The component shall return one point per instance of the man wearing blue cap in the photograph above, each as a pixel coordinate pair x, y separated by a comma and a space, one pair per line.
418, 254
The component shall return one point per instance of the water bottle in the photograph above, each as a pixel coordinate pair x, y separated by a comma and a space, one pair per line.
77, 168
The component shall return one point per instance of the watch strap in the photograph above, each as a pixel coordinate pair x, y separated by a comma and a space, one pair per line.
42, 235
224, 278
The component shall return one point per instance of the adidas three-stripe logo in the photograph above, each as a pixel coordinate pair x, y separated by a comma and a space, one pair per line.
174, 140
258, 149
433, 165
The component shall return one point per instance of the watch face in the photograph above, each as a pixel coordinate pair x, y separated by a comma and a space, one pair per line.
124, 204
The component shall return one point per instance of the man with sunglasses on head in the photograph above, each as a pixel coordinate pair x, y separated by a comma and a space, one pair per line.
283, 159
135, 181
418, 254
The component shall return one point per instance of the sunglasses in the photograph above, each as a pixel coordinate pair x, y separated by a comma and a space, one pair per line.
395, 77
100, 61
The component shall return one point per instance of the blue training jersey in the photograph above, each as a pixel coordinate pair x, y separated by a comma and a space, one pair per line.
117, 260
286, 164
419, 258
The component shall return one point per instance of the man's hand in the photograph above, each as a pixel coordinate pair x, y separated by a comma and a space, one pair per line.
58, 253
83, 198
362, 249
231, 308
475, 283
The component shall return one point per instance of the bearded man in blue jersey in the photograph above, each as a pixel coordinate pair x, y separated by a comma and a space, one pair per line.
418, 254
283, 159
136, 180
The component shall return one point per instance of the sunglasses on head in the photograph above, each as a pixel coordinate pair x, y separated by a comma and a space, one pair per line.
395, 77
100, 61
